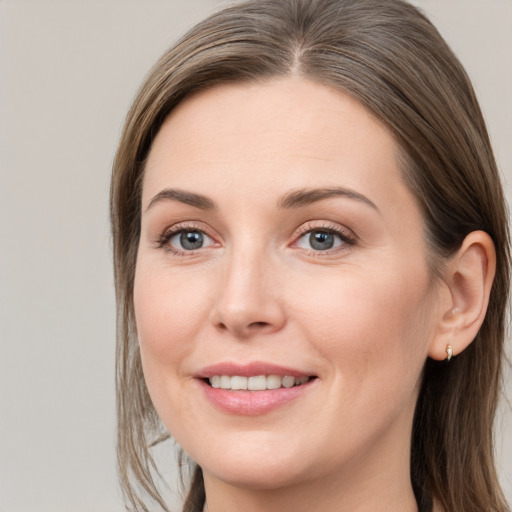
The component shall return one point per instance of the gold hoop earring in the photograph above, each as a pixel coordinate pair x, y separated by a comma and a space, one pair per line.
449, 352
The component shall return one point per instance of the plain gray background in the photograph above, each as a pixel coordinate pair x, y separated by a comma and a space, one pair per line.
69, 70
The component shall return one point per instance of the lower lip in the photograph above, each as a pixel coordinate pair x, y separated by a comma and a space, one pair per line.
252, 403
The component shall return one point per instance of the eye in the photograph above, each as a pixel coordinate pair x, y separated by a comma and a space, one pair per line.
186, 240
322, 239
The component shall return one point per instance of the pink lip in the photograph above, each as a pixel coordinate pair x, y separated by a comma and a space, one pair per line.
249, 370
251, 403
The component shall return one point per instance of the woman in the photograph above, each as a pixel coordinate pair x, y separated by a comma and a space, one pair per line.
312, 267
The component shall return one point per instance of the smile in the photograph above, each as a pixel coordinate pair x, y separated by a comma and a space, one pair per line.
254, 389
256, 383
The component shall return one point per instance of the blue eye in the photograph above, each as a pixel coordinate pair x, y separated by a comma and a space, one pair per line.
189, 240
320, 240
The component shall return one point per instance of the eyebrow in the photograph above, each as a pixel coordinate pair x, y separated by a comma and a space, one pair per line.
304, 197
195, 200
294, 199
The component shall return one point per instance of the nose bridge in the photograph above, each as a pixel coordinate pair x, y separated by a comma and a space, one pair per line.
247, 300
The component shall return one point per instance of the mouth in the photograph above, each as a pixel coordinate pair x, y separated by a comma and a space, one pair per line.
257, 382
254, 389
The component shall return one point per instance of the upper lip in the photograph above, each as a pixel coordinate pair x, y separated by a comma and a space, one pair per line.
252, 369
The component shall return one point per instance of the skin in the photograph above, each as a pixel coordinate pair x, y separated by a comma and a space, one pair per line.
362, 317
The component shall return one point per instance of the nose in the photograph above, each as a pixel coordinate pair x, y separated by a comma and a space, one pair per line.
248, 299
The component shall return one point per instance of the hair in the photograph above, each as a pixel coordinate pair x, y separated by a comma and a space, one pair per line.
389, 57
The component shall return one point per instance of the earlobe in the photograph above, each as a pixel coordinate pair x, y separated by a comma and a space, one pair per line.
468, 279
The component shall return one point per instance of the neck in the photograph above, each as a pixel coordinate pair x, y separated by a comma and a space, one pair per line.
328, 496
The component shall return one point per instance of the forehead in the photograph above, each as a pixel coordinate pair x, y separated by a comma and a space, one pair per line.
288, 133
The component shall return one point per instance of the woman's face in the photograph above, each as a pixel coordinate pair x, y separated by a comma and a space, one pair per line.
280, 247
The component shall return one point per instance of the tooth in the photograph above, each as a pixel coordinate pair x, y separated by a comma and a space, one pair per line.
238, 382
225, 382
288, 381
258, 383
273, 382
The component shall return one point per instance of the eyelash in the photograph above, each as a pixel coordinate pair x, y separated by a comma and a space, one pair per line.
163, 240
346, 237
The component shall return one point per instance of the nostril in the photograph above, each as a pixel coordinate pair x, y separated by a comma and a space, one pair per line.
258, 325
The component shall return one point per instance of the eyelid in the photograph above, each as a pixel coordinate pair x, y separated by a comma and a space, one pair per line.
162, 240
346, 235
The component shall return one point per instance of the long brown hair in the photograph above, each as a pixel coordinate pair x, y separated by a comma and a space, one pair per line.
389, 57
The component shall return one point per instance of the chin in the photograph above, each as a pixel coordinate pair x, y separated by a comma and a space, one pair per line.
256, 465
264, 475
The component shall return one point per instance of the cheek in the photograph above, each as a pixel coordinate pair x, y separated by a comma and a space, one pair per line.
169, 311
167, 306
373, 332
373, 323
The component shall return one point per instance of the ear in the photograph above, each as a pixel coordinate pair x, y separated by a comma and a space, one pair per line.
468, 278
